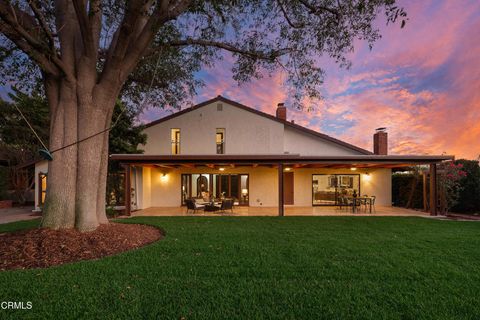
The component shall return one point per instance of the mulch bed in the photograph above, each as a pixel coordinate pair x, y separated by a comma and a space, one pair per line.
41, 248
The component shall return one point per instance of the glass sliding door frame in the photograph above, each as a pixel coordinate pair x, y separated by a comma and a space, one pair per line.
233, 185
337, 184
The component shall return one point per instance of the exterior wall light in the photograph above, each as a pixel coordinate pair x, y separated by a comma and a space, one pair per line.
164, 177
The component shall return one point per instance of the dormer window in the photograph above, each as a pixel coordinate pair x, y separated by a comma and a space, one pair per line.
220, 140
175, 136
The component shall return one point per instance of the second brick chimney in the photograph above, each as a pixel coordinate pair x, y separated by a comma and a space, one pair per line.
380, 142
282, 111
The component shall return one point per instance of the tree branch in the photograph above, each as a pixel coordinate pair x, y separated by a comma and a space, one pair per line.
80, 12
285, 14
89, 27
316, 9
9, 15
16, 30
136, 33
43, 62
269, 56
43, 23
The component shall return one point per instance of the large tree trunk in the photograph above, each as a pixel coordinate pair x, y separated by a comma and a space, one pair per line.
59, 211
77, 175
90, 153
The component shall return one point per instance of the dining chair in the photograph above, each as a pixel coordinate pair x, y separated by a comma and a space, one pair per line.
340, 202
227, 204
373, 203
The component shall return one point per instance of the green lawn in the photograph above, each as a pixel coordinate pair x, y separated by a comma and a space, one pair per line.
268, 267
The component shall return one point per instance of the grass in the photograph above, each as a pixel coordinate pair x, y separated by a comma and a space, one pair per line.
267, 267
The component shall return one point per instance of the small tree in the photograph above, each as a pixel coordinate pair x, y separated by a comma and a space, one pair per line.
17, 142
449, 185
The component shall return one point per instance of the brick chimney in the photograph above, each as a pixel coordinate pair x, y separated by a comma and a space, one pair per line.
282, 111
380, 142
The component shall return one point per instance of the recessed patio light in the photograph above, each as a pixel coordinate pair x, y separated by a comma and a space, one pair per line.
288, 169
221, 169
353, 169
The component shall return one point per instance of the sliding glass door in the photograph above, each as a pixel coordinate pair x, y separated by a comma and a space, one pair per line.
326, 188
235, 186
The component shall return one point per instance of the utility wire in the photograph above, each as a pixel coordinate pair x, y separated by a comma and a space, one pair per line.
31, 128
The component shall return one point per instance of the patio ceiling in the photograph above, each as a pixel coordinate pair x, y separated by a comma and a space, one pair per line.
281, 162
293, 160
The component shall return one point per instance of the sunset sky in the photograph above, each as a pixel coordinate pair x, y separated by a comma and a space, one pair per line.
421, 82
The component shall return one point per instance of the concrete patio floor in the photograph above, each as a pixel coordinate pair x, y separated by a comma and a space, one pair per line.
17, 214
273, 211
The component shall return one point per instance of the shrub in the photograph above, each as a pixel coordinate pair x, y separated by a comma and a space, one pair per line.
449, 186
469, 198
111, 212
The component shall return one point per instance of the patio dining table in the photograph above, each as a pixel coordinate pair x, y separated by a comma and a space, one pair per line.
357, 201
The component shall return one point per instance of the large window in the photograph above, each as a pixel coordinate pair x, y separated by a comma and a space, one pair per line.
220, 140
217, 186
175, 137
327, 188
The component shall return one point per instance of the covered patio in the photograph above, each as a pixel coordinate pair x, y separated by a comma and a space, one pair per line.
241, 211
273, 169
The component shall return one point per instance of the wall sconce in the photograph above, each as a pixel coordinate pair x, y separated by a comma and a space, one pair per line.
164, 177
367, 177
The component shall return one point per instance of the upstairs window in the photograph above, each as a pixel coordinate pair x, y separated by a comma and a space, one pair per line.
220, 140
175, 136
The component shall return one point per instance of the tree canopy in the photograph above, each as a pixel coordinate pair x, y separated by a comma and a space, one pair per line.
175, 39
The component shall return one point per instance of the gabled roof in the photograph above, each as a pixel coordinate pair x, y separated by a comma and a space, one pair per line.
263, 114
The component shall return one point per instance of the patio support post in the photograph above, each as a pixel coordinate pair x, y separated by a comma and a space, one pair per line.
433, 189
280, 190
424, 185
128, 202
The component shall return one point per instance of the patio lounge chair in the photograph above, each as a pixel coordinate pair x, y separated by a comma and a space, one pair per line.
191, 205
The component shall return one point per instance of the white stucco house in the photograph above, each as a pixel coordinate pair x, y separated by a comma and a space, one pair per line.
223, 149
